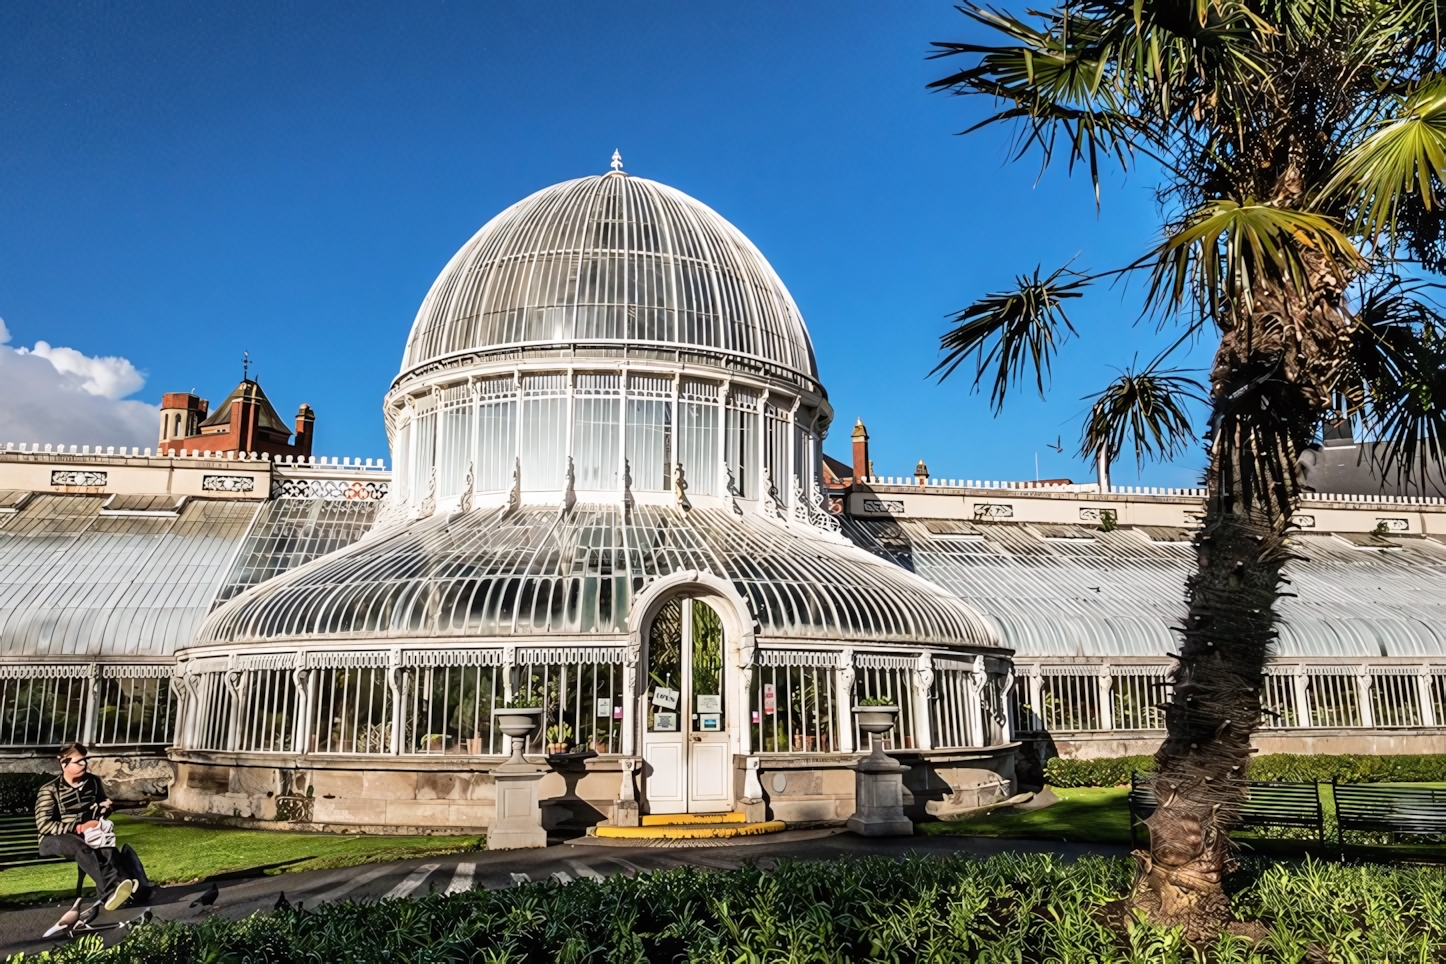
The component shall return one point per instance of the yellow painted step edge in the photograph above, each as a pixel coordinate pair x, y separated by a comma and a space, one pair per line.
690, 833
682, 819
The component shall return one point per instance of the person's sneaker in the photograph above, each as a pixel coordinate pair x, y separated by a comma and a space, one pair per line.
121, 894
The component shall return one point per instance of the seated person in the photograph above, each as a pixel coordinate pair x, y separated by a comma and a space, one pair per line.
69, 807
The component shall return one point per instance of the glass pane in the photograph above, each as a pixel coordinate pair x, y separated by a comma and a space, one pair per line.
707, 689
595, 442
698, 446
649, 430
496, 453
665, 668
544, 443
456, 449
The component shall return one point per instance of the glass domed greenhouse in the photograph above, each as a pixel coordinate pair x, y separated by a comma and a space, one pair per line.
606, 437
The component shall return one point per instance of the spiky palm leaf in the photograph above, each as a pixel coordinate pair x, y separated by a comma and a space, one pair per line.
1147, 409
1224, 254
1013, 331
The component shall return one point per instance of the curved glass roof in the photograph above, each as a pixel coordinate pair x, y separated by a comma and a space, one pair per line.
536, 572
610, 260
1098, 594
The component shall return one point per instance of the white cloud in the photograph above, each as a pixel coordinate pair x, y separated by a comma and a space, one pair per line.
109, 376
60, 395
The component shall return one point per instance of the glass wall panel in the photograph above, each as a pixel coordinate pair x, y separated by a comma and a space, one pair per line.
742, 442
1071, 702
496, 435
896, 684
1136, 702
448, 709
1277, 701
1335, 700
42, 712
1395, 700
950, 703
402, 462
424, 452
135, 712
268, 723
776, 444
351, 710
698, 436
582, 703
650, 432
456, 441
210, 712
597, 417
544, 431
794, 709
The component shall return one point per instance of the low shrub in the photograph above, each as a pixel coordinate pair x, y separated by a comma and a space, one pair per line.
1108, 772
1284, 767
18, 790
1012, 907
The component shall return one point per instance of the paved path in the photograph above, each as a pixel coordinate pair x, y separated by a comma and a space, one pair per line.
20, 930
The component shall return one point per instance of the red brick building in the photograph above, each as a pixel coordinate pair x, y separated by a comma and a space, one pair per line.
245, 422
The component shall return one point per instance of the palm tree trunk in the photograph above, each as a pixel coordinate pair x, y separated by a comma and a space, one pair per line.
1270, 387
1201, 766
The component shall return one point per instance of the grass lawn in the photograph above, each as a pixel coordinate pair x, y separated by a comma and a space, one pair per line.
175, 853
1083, 815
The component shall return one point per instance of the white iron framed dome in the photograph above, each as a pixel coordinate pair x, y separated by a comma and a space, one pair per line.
606, 261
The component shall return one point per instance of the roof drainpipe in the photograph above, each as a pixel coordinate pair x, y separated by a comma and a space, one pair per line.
1102, 468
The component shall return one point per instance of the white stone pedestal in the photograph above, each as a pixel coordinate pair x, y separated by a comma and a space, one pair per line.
519, 816
879, 798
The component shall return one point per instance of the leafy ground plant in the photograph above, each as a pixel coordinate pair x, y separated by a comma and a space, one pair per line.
1015, 908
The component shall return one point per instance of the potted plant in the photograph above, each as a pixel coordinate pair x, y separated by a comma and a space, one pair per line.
875, 716
559, 735
518, 720
434, 743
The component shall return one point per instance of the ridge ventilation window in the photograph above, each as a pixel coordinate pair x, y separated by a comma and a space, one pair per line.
456, 440
596, 415
741, 441
698, 435
650, 432
424, 447
544, 431
496, 434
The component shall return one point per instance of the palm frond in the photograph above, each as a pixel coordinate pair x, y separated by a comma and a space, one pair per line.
1226, 252
1144, 408
1406, 155
1395, 380
1013, 331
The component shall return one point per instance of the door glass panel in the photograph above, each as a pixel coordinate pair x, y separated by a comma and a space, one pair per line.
665, 668
707, 676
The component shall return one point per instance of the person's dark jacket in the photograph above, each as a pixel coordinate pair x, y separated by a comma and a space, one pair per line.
60, 807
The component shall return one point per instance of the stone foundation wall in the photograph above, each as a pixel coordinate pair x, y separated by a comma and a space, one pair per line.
409, 795
820, 790
129, 778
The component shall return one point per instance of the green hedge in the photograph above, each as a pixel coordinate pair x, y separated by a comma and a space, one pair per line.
1287, 767
18, 790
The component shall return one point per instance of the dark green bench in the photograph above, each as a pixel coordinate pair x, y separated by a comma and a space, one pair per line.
1269, 804
1382, 808
19, 846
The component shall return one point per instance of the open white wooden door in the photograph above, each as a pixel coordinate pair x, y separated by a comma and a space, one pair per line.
686, 747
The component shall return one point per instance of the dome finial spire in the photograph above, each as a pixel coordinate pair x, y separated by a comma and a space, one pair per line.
617, 161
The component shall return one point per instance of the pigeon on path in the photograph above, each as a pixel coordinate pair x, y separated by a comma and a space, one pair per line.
67, 920
281, 902
208, 898
144, 917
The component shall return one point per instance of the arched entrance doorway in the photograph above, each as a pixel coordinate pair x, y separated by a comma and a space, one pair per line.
687, 747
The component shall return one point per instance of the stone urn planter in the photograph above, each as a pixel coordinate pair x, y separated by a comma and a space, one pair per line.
878, 780
876, 721
519, 818
518, 723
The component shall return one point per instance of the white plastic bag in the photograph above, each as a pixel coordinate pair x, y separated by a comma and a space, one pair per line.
101, 835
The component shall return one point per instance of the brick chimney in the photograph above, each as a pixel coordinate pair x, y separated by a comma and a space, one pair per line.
305, 424
862, 468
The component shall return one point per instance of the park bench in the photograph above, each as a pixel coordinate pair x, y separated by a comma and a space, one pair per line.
1270, 804
1383, 808
19, 845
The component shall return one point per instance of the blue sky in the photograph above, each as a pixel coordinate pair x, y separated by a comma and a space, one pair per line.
182, 182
